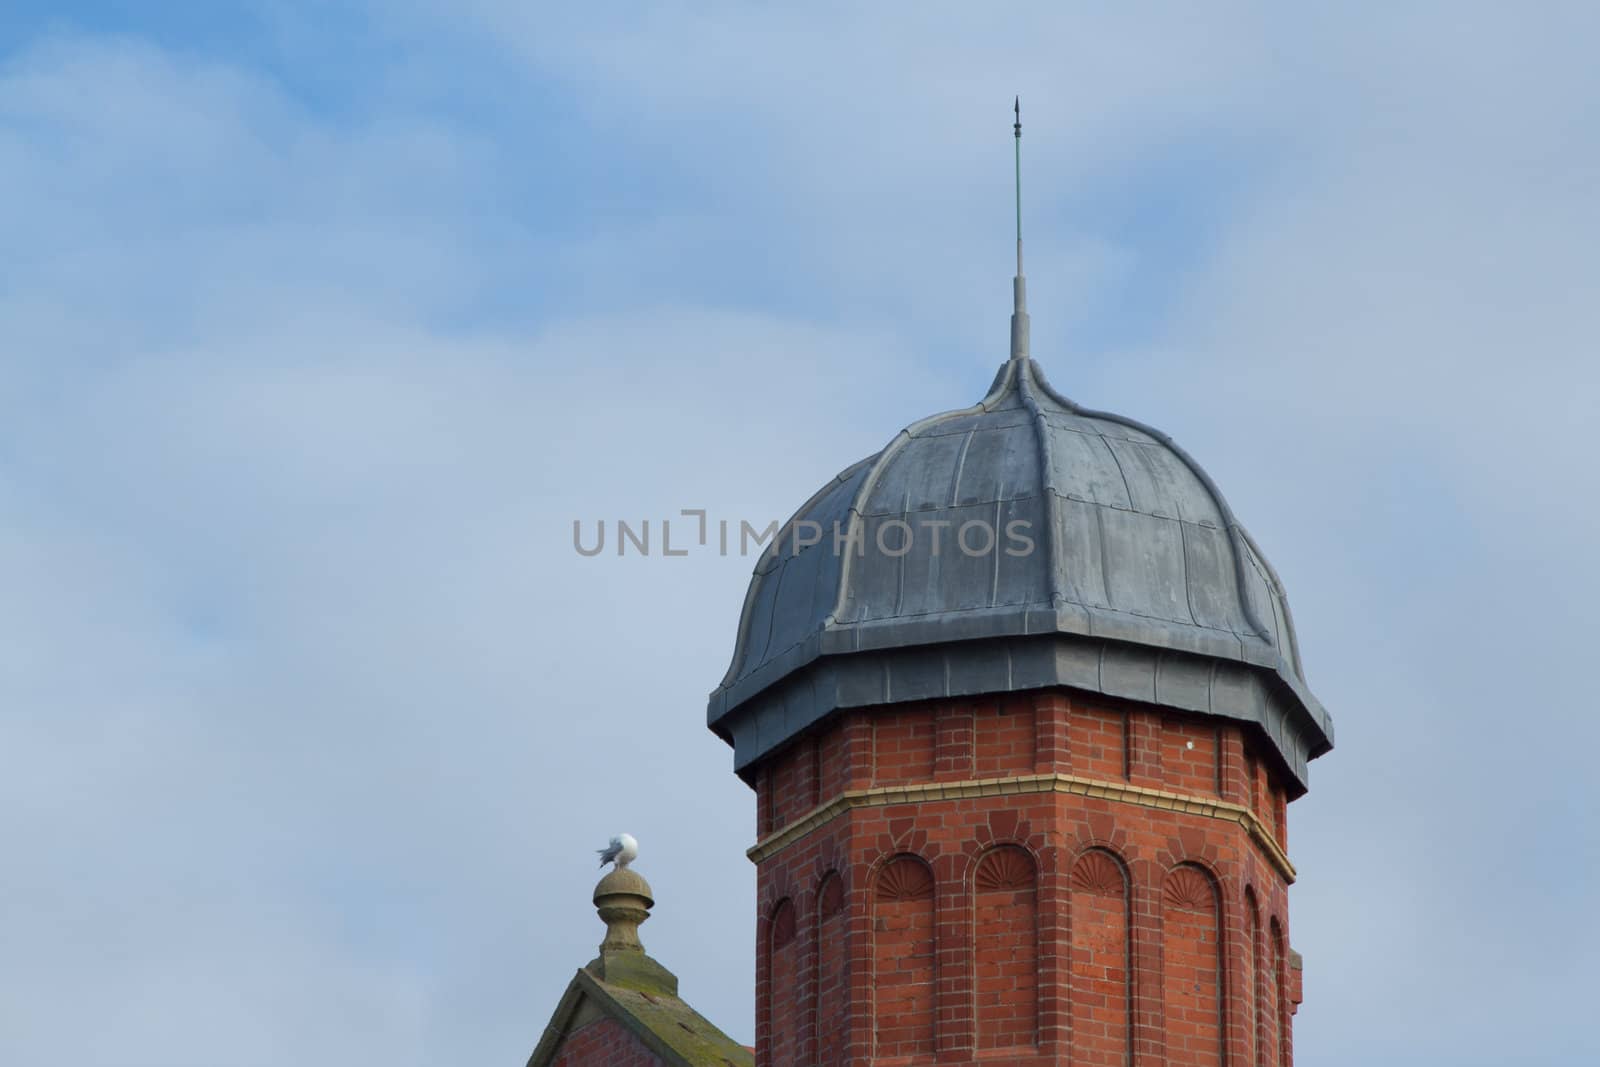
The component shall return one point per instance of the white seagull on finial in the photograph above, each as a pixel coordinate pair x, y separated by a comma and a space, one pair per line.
622, 851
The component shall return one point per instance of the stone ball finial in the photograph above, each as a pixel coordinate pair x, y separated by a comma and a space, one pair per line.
624, 899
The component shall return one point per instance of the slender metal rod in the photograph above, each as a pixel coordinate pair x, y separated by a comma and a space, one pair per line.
1019, 286
1017, 107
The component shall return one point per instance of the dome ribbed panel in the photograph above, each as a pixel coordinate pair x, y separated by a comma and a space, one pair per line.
1131, 543
792, 593
1121, 522
1095, 475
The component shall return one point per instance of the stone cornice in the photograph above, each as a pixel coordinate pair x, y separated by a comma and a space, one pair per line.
1024, 784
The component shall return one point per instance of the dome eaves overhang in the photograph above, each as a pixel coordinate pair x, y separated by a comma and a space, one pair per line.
1127, 522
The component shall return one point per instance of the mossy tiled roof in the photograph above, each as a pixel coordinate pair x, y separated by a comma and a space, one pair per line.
662, 1022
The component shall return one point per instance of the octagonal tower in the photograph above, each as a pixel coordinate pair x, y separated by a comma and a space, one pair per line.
1023, 708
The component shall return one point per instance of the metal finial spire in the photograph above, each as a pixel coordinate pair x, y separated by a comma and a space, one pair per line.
1019, 285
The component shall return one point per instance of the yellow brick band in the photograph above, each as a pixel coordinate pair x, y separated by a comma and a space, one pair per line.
1020, 785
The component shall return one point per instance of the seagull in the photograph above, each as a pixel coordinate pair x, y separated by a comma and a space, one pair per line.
622, 851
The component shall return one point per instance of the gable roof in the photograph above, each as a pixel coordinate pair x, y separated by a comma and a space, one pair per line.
662, 1022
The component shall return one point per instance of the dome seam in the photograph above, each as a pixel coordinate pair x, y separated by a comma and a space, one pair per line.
1001, 384
1235, 530
769, 558
1047, 474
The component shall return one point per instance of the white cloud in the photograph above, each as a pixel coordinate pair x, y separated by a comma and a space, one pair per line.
316, 711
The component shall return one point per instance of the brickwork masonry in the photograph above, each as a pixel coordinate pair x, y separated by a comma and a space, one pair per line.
1028, 879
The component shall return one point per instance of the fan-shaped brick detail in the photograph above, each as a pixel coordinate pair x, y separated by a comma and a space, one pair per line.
905, 878
1253, 980
831, 987
1190, 889
1005, 943
830, 898
1192, 954
1096, 872
1274, 1014
783, 924
784, 964
1100, 989
904, 949
1005, 868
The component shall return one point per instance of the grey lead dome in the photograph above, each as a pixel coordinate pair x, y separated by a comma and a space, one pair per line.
1139, 582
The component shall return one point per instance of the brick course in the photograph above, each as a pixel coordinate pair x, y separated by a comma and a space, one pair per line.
604, 1041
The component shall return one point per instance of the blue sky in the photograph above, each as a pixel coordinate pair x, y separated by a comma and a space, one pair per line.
319, 324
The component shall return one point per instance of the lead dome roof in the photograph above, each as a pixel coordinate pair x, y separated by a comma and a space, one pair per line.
1140, 582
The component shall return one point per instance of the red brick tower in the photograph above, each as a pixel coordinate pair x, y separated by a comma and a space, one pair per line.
1022, 707
1024, 804
1049, 876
